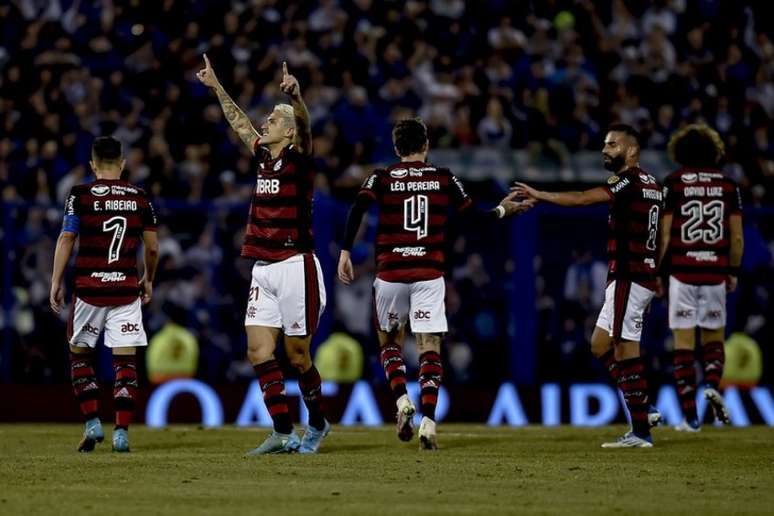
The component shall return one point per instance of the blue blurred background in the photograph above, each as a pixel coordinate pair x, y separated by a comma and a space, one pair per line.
508, 89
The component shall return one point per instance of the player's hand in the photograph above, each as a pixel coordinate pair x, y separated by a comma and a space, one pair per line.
731, 282
56, 298
146, 290
516, 208
289, 85
207, 75
523, 190
346, 273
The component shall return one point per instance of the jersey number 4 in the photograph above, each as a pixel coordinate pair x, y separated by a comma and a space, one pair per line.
705, 222
415, 215
116, 225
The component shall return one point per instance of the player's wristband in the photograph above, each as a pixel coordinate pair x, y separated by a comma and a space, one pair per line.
500, 212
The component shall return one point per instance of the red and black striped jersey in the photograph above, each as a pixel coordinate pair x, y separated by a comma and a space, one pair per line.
632, 244
109, 217
701, 203
414, 199
280, 221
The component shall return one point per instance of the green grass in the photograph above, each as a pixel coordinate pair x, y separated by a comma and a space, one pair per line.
479, 470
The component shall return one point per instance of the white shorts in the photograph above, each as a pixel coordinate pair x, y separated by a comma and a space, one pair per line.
621, 315
289, 294
421, 302
696, 305
122, 325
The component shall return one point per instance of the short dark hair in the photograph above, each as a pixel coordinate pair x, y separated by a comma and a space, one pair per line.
696, 146
106, 148
409, 136
627, 130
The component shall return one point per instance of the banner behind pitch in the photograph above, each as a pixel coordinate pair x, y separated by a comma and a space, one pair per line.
357, 404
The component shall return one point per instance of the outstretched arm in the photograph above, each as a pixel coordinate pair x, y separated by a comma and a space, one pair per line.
593, 196
238, 120
290, 87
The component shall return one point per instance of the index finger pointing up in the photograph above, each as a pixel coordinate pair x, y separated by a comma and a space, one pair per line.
206, 61
285, 68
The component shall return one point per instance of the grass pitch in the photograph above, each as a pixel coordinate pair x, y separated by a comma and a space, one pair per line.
479, 470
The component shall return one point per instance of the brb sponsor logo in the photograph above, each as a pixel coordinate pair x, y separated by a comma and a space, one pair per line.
88, 328
109, 277
130, 328
422, 315
267, 186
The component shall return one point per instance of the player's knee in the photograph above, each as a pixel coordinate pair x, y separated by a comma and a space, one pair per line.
429, 342
257, 354
300, 360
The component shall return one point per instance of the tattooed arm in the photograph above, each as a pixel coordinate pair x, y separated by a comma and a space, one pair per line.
290, 86
238, 120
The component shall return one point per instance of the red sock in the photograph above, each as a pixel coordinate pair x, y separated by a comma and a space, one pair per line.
685, 380
273, 386
714, 358
84, 381
310, 384
430, 374
124, 389
394, 368
634, 386
611, 365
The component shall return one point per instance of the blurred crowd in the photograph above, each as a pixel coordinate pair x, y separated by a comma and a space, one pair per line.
543, 76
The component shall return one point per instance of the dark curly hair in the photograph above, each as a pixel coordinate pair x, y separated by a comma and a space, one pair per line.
696, 146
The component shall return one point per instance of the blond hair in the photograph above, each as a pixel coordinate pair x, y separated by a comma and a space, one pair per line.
287, 114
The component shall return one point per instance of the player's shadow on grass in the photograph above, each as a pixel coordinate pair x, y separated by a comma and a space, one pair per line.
191, 445
455, 443
353, 447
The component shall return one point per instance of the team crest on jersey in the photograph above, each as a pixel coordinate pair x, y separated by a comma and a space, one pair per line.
278, 165
689, 178
613, 180
398, 173
100, 190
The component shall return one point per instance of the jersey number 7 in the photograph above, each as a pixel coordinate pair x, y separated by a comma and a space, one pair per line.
118, 226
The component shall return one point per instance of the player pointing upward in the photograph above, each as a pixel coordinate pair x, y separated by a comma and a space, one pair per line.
287, 293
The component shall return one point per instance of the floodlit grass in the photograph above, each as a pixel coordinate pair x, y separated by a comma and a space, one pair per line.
479, 470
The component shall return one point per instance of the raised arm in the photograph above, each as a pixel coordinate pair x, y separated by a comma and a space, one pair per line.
290, 87
572, 199
238, 120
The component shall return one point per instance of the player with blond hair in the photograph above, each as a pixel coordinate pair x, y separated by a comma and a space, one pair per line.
287, 294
